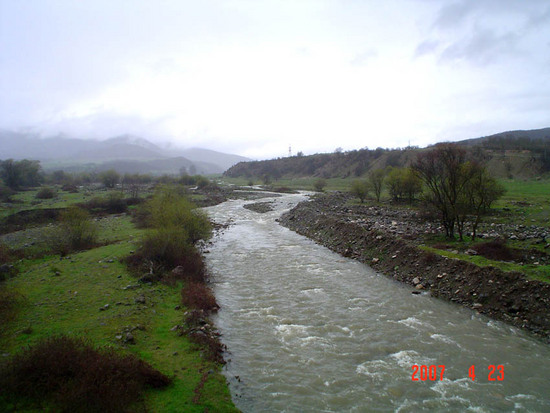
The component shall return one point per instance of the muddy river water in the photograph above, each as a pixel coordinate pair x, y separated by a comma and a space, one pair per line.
310, 331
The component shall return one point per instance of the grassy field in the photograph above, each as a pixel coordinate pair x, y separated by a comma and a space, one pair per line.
91, 294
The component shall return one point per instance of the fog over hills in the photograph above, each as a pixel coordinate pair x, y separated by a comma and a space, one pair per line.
125, 153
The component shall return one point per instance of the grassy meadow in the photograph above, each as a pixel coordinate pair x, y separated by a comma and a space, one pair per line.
91, 294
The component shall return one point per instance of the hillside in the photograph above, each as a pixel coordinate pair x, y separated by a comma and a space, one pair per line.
519, 154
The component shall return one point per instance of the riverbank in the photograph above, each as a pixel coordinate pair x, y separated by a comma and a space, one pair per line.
389, 241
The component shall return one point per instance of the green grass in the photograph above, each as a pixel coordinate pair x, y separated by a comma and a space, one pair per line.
71, 302
534, 272
527, 202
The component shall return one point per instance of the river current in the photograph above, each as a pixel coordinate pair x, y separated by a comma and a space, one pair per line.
308, 330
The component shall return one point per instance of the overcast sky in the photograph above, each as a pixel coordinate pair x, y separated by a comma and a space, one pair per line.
252, 77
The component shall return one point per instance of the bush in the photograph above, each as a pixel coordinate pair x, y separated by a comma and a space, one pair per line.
75, 231
198, 296
46, 193
164, 249
70, 375
360, 189
112, 203
320, 184
169, 209
495, 250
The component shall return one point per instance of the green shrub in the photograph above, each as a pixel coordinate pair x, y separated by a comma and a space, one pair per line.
75, 231
46, 193
320, 184
169, 209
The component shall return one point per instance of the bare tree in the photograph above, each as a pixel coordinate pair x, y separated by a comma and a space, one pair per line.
457, 189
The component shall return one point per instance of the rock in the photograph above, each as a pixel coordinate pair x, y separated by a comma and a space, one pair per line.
419, 287
415, 292
148, 278
375, 260
477, 306
379, 237
118, 337
131, 287
140, 299
129, 338
416, 280
178, 271
471, 252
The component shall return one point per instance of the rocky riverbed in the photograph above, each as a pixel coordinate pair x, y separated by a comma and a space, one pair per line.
388, 239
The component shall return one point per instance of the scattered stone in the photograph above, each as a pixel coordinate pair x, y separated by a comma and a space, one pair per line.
119, 337
419, 287
129, 338
140, 299
416, 280
477, 306
375, 260
471, 252
131, 287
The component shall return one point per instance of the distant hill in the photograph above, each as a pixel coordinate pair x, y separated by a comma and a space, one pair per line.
530, 135
125, 153
519, 153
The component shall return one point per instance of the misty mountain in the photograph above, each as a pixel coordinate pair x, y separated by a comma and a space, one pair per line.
125, 153
206, 155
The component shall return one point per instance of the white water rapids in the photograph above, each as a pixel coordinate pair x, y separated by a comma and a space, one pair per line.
310, 331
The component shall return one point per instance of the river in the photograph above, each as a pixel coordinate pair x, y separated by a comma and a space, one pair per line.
308, 330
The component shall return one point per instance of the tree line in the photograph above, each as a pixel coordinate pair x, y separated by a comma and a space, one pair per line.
449, 183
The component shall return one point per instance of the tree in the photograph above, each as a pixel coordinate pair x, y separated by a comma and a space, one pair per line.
376, 180
456, 188
403, 183
320, 184
109, 178
24, 173
360, 189
482, 190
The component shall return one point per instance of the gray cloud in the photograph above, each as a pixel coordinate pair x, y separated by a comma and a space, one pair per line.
483, 47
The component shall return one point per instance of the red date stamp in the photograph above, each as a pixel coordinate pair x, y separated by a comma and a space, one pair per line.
435, 372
